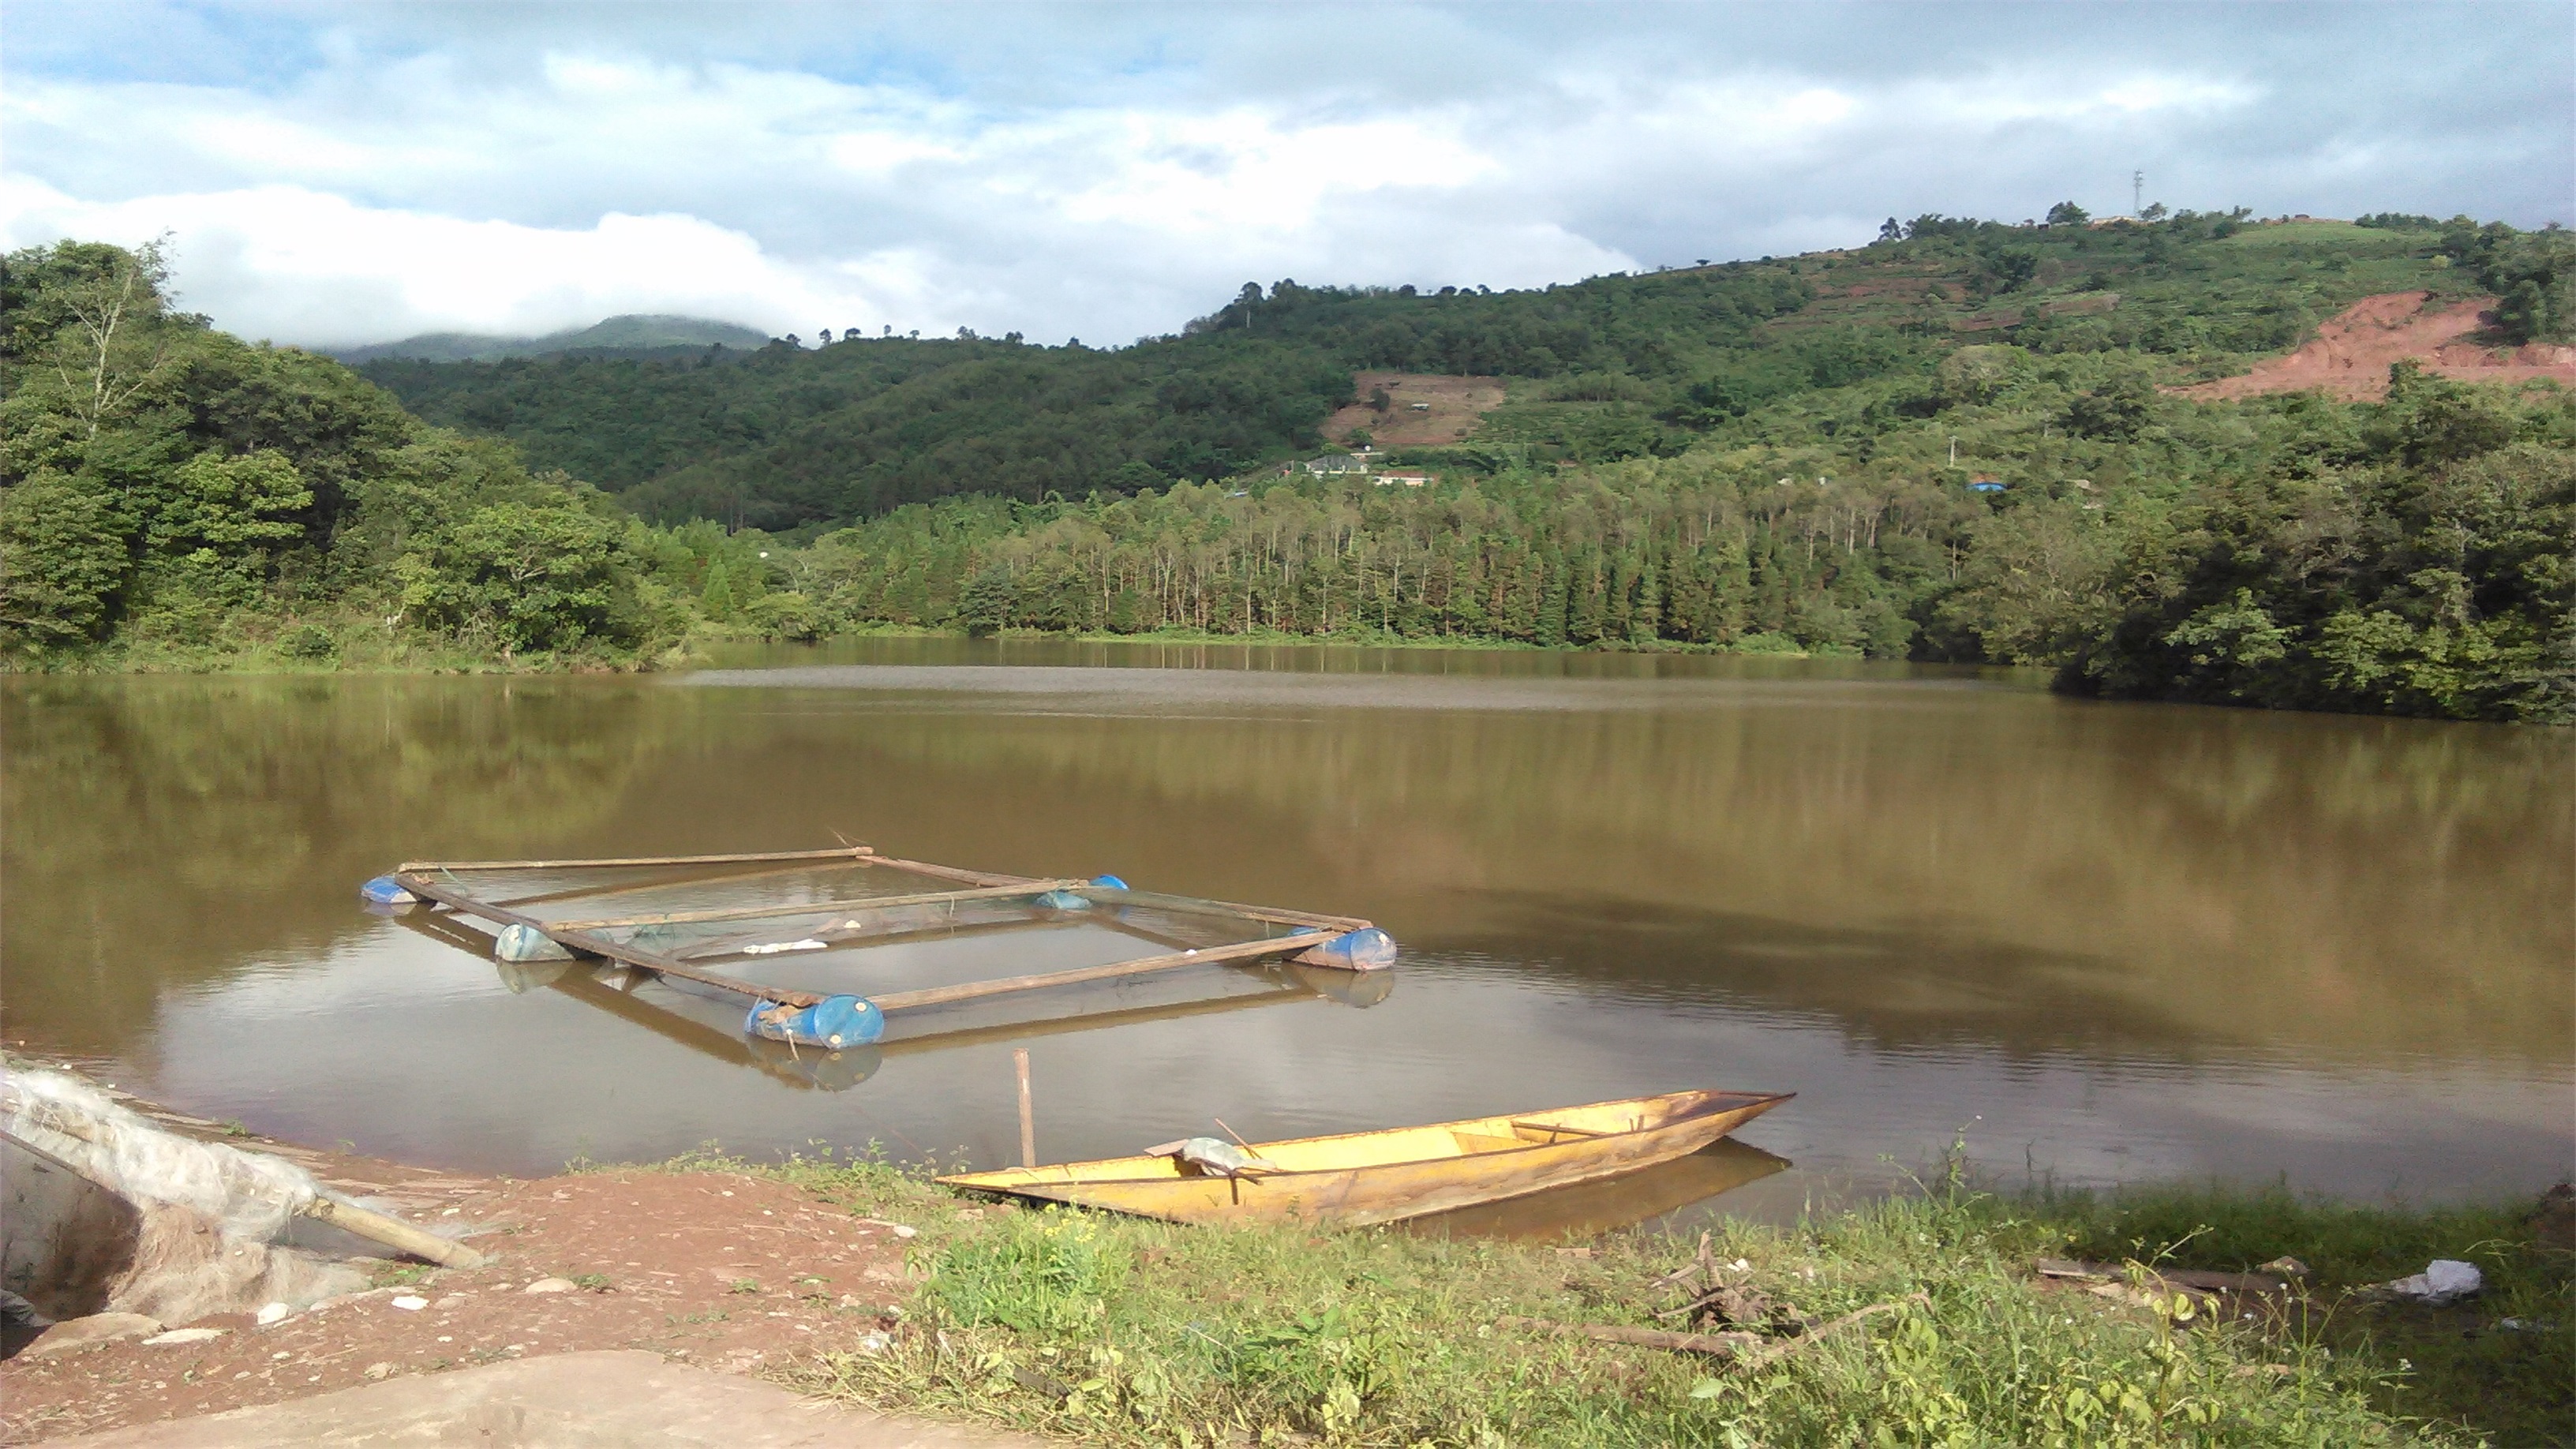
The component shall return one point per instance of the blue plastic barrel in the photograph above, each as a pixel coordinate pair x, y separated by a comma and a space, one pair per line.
384, 890
1110, 883
832, 1023
526, 943
1366, 949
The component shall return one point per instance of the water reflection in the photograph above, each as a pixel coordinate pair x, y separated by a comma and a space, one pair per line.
2121, 941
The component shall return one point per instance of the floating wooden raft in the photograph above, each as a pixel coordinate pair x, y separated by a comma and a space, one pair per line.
809, 1017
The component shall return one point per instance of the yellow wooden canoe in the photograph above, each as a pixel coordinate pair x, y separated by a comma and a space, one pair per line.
1400, 1172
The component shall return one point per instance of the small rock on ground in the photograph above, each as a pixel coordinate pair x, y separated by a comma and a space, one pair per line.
92, 1331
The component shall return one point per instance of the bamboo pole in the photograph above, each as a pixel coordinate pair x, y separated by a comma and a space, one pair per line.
1194, 905
1089, 1021
422, 886
821, 908
1028, 1121
731, 946
676, 883
1144, 965
950, 872
393, 1233
845, 852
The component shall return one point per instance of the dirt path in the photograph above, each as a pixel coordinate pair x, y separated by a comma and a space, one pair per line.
2351, 354
608, 1399
708, 1268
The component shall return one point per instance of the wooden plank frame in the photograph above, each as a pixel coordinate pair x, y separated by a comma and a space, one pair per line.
1307, 930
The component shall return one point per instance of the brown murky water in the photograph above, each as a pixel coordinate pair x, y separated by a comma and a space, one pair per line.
2112, 942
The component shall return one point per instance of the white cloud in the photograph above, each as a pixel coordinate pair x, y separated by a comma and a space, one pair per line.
314, 267
352, 173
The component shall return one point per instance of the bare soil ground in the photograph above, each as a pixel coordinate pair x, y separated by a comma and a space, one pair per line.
711, 1268
1458, 405
2351, 354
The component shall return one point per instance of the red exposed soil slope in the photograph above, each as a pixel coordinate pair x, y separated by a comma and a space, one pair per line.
2350, 355
1458, 404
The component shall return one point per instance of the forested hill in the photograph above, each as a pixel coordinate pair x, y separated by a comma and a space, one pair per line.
1965, 442
1612, 368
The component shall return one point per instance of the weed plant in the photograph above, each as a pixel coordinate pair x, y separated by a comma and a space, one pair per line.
1120, 1331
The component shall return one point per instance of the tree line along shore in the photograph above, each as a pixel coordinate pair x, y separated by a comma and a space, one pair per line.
1961, 443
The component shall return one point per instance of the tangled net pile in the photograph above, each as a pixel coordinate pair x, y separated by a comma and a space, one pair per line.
206, 1215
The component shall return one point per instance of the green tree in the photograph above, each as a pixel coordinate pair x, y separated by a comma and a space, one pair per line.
2118, 410
525, 577
985, 608
62, 560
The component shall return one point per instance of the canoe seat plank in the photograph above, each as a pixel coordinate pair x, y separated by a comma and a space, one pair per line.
1552, 1131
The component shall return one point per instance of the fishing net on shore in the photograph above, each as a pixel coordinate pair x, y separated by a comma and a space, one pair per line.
203, 1215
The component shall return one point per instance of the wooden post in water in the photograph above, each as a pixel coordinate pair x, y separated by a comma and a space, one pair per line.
1028, 1122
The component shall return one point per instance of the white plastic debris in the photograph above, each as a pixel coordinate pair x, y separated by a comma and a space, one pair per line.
2444, 1280
873, 1342
273, 1313
771, 948
411, 1303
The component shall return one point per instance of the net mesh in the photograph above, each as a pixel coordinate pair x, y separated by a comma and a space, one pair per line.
205, 1212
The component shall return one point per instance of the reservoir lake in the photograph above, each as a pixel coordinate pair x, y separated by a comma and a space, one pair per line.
2094, 943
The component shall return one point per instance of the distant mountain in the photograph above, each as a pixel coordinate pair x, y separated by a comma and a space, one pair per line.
629, 335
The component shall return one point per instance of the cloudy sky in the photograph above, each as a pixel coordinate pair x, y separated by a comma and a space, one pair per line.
344, 173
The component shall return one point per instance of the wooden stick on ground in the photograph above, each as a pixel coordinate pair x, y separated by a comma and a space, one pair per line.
1723, 1345
1787, 1346
1747, 1351
393, 1233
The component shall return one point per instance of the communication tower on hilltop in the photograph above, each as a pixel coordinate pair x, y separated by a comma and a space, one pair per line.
2137, 192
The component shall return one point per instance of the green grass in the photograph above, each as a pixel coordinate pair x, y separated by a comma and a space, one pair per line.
1118, 1331
2517, 1386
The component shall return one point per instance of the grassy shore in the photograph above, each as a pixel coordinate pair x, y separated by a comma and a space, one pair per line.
1118, 1331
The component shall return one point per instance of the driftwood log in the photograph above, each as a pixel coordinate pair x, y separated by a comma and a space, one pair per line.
1747, 1351
1723, 1345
